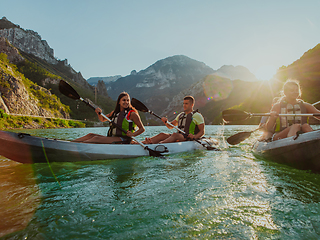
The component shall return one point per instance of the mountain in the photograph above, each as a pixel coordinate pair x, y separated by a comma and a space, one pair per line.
160, 82
213, 94
307, 71
19, 95
28, 41
94, 80
33, 60
236, 72
29, 75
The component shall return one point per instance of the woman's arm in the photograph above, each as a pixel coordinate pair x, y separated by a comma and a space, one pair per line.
102, 119
273, 117
136, 119
311, 109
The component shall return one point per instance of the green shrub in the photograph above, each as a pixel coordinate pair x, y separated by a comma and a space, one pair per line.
3, 114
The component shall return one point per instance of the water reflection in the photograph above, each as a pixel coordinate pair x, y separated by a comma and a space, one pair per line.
201, 195
19, 196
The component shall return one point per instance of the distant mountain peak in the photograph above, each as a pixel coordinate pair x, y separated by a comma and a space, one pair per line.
176, 59
236, 72
6, 24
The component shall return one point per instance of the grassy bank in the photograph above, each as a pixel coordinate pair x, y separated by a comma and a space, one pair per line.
14, 122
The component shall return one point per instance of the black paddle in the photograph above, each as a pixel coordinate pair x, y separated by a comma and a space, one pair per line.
69, 91
239, 137
143, 108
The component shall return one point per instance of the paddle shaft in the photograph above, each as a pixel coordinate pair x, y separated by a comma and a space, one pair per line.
285, 114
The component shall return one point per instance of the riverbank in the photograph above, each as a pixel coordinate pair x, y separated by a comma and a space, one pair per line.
28, 122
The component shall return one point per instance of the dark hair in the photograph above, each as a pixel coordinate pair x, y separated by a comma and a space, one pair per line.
117, 108
190, 98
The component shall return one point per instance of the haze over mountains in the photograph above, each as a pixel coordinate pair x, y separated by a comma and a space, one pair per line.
159, 83
161, 86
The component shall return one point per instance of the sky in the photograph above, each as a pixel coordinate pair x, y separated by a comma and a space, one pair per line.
103, 38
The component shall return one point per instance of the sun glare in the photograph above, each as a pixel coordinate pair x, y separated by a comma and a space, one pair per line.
265, 72
217, 88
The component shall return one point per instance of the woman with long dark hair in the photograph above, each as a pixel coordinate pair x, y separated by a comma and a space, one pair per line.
123, 115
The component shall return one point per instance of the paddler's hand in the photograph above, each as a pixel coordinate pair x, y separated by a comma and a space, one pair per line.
129, 134
98, 111
191, 136
164, 119
274, 114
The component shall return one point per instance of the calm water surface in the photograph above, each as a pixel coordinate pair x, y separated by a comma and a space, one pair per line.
200, 195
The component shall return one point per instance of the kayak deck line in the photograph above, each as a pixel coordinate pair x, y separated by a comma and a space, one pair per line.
25, 148
301, 152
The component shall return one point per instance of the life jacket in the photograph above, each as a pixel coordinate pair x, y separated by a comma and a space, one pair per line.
284, 122
186, 123
122, 119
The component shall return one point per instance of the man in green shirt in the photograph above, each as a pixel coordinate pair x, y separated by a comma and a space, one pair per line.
189, 121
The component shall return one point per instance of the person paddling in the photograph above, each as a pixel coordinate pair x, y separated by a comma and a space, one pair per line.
283, 127
125, 116
190, 121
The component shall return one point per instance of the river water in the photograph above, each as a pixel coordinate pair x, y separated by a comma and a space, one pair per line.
227, 194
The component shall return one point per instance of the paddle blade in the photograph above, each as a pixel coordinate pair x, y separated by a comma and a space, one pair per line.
238, 138
67, 90
231, 115
154, 153
139, 105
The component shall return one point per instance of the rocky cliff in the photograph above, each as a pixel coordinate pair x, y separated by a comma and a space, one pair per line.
28, 41
37, 70
94, 80
160, 82
19, 95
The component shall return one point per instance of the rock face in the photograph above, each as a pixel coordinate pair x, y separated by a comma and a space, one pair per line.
160, 82
94, 80
16, 99
30, 42
12, 53
101, 88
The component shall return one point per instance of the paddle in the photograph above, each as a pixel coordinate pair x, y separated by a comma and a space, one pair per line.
231, 115
241, 136
69, 91
141, 107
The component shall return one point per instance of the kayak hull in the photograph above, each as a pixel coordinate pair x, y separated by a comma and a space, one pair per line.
302, 152
25, 148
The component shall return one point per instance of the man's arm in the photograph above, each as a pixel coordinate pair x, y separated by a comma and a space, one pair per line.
165, 121
199, 134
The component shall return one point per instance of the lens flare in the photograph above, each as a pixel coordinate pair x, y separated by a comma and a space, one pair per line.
217, 88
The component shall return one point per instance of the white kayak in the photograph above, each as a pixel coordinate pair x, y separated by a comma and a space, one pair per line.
24, 148
302, 151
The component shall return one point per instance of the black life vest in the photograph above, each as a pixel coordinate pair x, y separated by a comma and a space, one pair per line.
186, 123
122, 119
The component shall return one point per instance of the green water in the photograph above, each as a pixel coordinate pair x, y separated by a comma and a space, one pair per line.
200, 195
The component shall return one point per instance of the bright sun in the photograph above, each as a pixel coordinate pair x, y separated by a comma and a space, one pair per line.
265, 72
